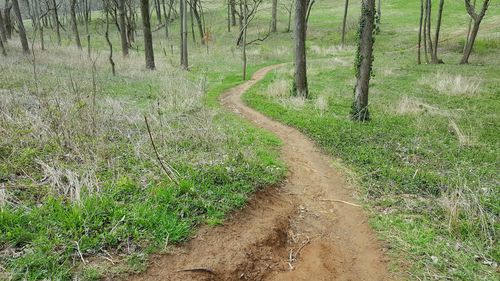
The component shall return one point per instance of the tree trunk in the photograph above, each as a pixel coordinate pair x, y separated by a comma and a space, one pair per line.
158, 10
20, 26
289, 26
123, 28
3, 31
425, 32
148, 38
233, 12
199, 23
346, 8
4, 53
301, 88
419, 59
274, 16
56, 21
74, 24
7, 18
245, 27
475, 29
106, 34
438, 29
429, 32
184, 34
39, 25
364, 61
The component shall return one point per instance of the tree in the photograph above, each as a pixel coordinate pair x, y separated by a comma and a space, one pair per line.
55, 18
184, 34
346, 8
38, 23
194, 8
148, 38
435, 59
477, 18
419, 60
274, 16
20, 26
364, 61
74, 24
244, 52
3, 31
123, 28
7, 18
300, 86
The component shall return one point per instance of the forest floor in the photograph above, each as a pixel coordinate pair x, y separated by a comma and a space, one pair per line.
307, 227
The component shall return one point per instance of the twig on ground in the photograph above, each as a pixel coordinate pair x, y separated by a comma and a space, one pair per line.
340, 201
200, 269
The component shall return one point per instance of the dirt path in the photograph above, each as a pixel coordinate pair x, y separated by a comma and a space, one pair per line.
294, 232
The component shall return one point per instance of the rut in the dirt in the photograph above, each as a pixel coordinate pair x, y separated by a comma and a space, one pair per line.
295, 232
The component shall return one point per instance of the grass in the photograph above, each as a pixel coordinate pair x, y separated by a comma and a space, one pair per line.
427, 161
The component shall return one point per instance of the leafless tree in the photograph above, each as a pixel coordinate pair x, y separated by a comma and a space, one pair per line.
364, 61
123, 27
55, 18
20, 26
346, 8
148, 38
274, 16
477, 18
184, 34
74, 23
300, 86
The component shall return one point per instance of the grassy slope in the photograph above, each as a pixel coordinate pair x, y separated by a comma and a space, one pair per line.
135, 210
433, 187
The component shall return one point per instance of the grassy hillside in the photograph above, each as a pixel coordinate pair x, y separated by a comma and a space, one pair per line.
428, 161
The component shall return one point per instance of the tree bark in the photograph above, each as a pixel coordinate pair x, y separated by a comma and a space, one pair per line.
148, 38
4, 53
274, 16
429, 32
245, 27
184, 34
475, 29
233, 12
20, 26
3, 31
346, 8
106, 34
199, 23
39, 25
74, 24
123, 28
55, 18
301, 88
419, 59
7, 18
364, 61
158, 10
438, 29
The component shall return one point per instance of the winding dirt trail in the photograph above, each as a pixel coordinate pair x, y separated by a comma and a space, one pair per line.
294, 232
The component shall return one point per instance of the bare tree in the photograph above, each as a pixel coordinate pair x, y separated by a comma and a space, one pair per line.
123, 27
435, 58
471, 10
74, 23
106, 34
38, 23
346, 8
184, 34
3, 31
244, 52
7, 18
419, 60
300, 86
20, 26
55, 18
274, 16
364, 61
148, 38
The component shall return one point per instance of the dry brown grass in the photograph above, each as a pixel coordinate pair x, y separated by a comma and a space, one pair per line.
450, 84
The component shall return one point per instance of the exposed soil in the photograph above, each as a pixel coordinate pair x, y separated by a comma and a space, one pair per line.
299, 231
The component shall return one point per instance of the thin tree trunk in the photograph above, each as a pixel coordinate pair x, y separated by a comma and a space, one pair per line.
475, 29
425, 32
245, 27
148, 38
192, 24
233, 12
4, 53
7, 18
74, 24
301, 88
228, 16
184, 34
3, 31
274, 16
158, 10
429, 30
289, 26
469, 30
195, 4
364, 61
438, 29
346, 8
56, 21
419, 59
36, 13
123, 28
20, 26
106, 34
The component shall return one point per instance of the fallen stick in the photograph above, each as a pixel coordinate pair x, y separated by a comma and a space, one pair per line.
202, 269
340, 201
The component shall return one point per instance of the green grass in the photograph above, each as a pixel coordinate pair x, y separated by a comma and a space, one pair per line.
432, 186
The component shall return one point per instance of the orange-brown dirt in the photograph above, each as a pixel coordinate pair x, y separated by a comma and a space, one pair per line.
299, 231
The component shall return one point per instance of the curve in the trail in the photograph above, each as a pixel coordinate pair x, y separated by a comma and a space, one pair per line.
304, 230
